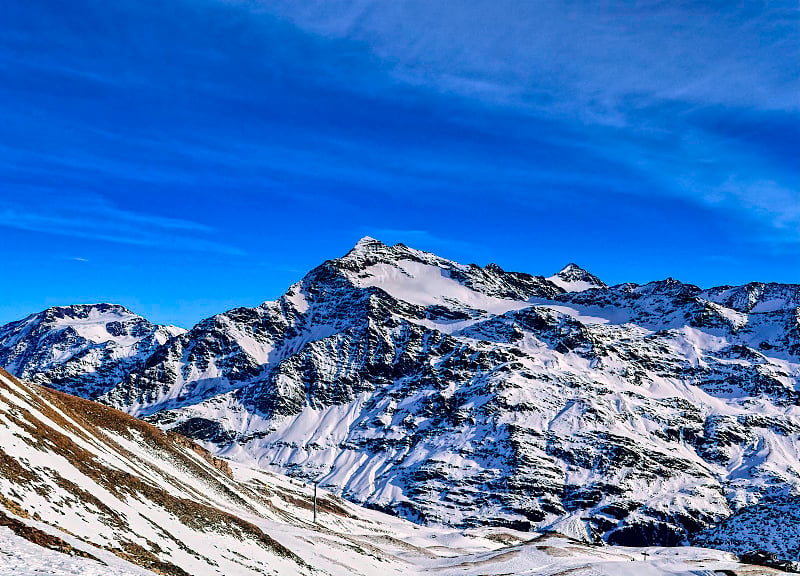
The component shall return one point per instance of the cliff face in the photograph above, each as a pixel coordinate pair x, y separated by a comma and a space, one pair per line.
83, 349
469, 395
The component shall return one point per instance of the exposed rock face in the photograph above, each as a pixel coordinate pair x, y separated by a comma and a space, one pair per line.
467, 395
82, 349
116, 484
573, 278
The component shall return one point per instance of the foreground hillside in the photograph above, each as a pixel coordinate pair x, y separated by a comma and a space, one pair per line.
455, 394
87, 490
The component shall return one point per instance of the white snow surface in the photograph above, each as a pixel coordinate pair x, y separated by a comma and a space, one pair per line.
572, 278
19, 557
470, 396
573, 286
428, 285
89, 514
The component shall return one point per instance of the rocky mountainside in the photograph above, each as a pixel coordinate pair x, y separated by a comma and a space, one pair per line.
573, 278
87, 490
83, 349
110, 494
467, 395
83, 479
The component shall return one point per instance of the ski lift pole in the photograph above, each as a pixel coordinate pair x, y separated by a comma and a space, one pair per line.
315, 500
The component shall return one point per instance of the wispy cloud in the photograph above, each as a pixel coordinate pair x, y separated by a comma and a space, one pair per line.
760, 202
96, 218
563, 54
634, 84
505, 123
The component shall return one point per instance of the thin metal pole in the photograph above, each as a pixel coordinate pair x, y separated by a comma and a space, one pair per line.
315, 502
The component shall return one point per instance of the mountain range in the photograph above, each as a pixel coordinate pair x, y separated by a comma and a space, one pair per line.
86, 490
470, 396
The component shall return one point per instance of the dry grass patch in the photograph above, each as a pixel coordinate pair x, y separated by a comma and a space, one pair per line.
42, 538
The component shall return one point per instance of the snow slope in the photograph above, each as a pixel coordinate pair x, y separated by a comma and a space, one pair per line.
573, 278
84, 349
469, 396
88, 490
21, 557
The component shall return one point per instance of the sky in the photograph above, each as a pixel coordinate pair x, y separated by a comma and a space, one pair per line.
183, 157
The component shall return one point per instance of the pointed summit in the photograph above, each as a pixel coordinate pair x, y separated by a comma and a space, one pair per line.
367, 244
573, 278
571, 268
369, 251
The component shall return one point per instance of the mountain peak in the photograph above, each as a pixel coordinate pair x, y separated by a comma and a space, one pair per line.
81, 348
368, 243
369, 251
573, 278
85, 310
571, 269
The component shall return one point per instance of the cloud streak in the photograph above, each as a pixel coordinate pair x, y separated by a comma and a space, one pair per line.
563, 54
636, 84
641, 139
95, 218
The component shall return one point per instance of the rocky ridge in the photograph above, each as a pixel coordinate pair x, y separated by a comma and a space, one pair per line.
83, 349
87, 490
466, 395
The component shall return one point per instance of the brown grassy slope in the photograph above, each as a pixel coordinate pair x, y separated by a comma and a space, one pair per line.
98, 425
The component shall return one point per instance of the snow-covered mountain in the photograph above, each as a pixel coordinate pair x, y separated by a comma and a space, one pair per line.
83, 349
573, 278
87, 490
468, 395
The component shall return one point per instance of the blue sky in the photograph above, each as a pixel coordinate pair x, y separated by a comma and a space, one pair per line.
185, 157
